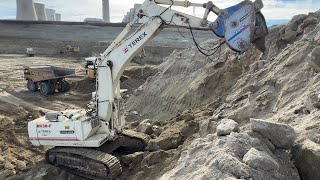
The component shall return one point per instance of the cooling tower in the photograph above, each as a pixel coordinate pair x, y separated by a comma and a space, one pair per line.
131, 15
128, 17
41, 11
58, 17
124, 19
136, 8
26, 10
51, 14
106, 10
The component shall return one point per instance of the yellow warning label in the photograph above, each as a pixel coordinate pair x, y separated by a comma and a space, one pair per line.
66, 127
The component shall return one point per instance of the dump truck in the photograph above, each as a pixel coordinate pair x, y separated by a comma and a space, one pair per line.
47, 78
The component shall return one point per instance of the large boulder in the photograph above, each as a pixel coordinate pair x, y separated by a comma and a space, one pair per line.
260, 159
314, 60
226, 126
154, 158
132, 159
289, 35
145, 127
167, 140
296, 21
281, 135
306, 158
206, 127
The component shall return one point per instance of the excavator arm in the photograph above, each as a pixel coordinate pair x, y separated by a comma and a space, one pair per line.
236, 25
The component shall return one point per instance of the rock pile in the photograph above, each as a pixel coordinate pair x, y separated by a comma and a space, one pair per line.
245, 155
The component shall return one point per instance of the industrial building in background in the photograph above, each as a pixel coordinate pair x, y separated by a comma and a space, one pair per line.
58, 17
51, 14
129, 17
41, 11
27, 10
106, 10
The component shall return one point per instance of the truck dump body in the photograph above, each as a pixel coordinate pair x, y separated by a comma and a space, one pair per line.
42, 73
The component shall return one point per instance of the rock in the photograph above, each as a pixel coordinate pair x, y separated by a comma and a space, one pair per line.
281, 135
289, 35
20, 165
134, 158
145, 127
156, 123
156, 130
134, 124
260, 159
6, 173
154, 158
226, 126
206, 127
2, 159
306, 158
315, 100
309, 21
165, 142
314, 60
296, 21
9, 166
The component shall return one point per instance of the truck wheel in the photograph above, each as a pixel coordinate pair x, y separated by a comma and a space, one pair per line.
52, 87
65, 85
33, 87
60, 86
45, 88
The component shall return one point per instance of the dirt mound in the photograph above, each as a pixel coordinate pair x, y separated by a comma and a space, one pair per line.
280, 85
16, 153
187, 79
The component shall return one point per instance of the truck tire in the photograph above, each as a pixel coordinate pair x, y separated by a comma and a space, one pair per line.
33, 87
65, 85
52, 87
61, 85
45, 88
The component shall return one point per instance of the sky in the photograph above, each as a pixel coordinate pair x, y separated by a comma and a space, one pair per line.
275, 11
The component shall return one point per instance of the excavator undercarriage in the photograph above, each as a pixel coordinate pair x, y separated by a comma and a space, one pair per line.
98, 163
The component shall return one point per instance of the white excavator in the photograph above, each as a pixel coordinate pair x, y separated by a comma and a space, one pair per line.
85, 140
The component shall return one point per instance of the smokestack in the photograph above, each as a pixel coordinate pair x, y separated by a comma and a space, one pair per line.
58, 17
106, 10
51, 14
26, 10
41, 11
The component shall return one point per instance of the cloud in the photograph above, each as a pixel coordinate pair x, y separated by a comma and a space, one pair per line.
76, 10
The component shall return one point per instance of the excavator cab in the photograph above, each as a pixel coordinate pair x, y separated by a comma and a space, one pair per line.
241, 25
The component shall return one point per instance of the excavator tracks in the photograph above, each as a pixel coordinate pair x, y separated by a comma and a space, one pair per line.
85, 162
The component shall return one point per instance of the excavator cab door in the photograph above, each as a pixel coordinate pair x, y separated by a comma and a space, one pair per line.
242, 25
